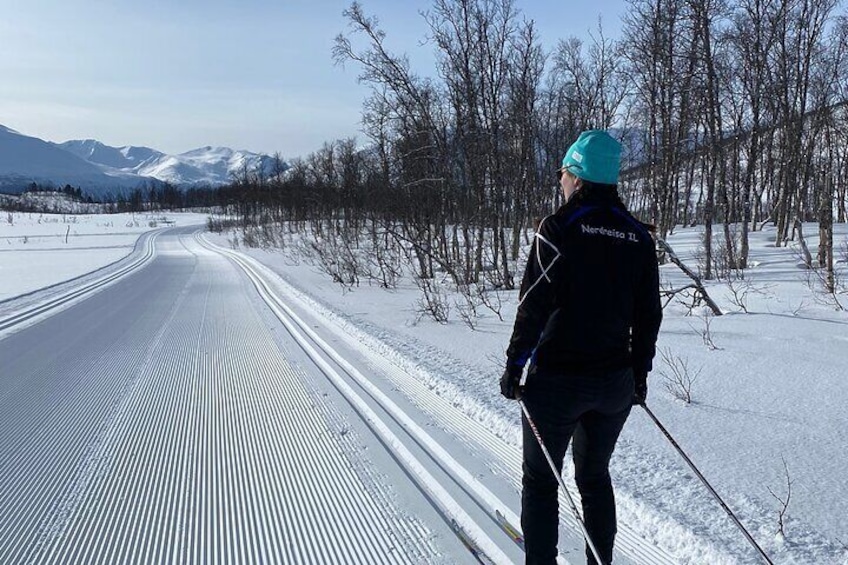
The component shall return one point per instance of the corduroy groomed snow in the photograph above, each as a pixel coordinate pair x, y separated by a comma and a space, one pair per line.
595, 157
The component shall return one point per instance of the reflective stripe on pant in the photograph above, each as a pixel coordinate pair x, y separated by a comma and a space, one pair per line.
592, 410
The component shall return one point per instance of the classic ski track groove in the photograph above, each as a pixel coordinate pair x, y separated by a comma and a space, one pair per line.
474, 536
454, 421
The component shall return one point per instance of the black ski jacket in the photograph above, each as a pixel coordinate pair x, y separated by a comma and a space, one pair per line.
589, 301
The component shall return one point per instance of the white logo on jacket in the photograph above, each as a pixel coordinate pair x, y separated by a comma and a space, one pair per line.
609, 232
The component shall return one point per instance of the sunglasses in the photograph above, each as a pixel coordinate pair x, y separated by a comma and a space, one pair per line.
567, 169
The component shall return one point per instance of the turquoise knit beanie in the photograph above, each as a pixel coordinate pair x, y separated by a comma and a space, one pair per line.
595, 157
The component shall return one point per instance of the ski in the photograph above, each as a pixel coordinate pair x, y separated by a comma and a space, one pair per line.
510, 530
471, 545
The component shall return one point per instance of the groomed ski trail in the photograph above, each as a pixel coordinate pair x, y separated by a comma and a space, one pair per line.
177, 433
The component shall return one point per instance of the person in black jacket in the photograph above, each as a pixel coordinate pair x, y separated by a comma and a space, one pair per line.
588, 317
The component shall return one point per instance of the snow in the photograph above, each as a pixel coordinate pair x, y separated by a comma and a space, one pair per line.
770, 388
205, 165
40, 250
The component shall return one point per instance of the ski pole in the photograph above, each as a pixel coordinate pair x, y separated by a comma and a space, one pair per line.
709, 487
561, 482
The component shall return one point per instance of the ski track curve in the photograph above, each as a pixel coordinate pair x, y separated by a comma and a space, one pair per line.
20, 311
194, 443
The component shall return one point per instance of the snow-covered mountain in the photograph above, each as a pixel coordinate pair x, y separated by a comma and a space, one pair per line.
25, 159
121, 158
202, 166
98, 168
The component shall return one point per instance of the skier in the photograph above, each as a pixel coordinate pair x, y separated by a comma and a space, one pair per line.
588, 316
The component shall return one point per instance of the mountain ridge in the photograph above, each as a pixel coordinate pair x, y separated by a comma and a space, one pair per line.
98, 168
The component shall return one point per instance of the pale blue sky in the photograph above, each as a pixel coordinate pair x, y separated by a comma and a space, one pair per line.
248, 74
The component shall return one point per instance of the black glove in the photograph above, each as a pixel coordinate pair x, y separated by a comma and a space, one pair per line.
640, 393
510, 382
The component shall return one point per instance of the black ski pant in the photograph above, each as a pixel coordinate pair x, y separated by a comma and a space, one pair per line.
592, 410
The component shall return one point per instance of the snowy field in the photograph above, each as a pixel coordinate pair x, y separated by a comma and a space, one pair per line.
768, 399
